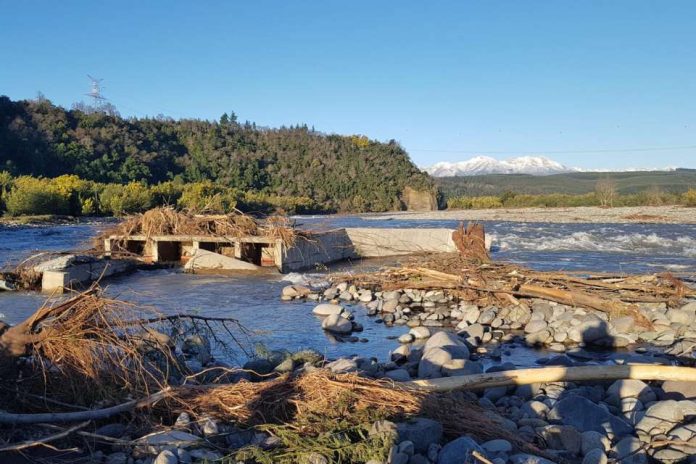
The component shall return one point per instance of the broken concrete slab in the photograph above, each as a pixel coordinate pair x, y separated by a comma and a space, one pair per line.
208, 260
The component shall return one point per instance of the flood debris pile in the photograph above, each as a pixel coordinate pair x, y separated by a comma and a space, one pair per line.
490, 301
169, 221
120, 384
607, 390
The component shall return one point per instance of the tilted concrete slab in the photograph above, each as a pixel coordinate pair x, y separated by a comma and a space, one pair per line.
208, 260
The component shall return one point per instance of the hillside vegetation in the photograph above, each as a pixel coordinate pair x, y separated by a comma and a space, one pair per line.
225, 161
577, 183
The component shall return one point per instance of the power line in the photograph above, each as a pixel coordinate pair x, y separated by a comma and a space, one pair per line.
557, 152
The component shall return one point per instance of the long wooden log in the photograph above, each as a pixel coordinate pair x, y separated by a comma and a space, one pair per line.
90, 414
554, 374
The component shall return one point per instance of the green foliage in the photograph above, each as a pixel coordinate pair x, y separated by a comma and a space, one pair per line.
40, 139
576, 183
512, 200
208, 197
689, 198
30, 195
118, 200
337, 444
483, 202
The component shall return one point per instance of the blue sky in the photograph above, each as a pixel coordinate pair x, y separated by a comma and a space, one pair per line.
449, 80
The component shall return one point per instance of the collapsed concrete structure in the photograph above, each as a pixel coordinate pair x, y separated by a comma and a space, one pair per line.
247, 254
307, 251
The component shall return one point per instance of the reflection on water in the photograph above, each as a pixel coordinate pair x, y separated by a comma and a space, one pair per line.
254, 300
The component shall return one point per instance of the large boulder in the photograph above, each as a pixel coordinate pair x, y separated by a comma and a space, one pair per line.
421, 431
460, 451
585, 415
327, 309
337, 324
439, 351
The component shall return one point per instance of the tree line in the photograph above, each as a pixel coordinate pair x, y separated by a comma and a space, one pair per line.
226, 161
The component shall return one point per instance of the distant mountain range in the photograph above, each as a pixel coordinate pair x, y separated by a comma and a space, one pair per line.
533, 165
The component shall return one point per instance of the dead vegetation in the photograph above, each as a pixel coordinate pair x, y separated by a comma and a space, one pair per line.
90, 358
169, 221
485, 283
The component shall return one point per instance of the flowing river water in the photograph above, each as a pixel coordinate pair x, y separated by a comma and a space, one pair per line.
254, 300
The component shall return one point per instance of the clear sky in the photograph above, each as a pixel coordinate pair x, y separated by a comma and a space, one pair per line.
449, 80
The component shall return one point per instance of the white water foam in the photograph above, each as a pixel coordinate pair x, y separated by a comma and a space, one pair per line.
587, 241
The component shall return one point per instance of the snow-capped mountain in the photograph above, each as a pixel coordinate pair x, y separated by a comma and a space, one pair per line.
535, 165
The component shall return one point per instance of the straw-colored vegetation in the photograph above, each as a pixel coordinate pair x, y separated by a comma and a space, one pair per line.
169, 221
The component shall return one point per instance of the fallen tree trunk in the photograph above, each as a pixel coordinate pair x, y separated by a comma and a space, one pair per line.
89, 415
554, 374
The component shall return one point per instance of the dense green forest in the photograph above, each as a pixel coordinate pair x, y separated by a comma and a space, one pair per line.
577, 183
332, 172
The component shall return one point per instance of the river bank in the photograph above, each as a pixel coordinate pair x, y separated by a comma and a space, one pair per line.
580, 214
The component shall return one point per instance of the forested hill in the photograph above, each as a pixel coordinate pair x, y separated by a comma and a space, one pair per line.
349, 173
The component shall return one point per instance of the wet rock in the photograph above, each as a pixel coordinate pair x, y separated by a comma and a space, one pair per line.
497, 446
663, 416
115, 430
259, 366
295, 291
529, 459
585, 415
327, 309
337, 324
420, 332
562, 437
535, 326
157, 441
470, 313
629, 451
459, 451
595, 456
166, 457
389, 306
316, 458
594, 440
421, 432
365, 296
537, 338
624, 324
117, 458
398, 375
630, 388
342, 366
678, 390
679, 316
406, 338
487, 316
197, 346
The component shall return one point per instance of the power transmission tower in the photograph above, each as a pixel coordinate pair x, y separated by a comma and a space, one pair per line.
95, 91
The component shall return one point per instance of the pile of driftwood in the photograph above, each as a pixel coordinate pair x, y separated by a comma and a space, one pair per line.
486, 283
169, 221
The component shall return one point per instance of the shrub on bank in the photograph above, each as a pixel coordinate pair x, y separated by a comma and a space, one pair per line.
689, 198
117, 199
30, 195
208, 197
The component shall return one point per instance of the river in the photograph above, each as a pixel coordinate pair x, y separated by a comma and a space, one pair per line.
254, 300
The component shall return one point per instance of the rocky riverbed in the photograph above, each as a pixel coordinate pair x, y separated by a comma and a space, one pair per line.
627, 421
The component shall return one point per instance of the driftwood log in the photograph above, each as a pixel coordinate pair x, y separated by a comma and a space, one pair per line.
555, 374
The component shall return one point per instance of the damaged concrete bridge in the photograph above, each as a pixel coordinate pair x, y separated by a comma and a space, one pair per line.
308, 250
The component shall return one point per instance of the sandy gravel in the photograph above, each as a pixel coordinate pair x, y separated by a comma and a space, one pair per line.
586, 214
